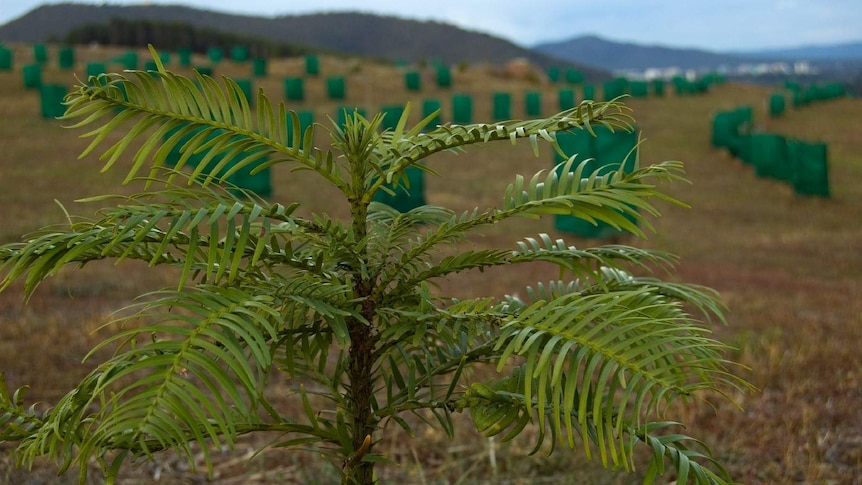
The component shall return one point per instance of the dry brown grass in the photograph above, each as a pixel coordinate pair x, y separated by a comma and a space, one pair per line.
789, 268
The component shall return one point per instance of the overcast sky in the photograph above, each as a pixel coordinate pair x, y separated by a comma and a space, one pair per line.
719, 25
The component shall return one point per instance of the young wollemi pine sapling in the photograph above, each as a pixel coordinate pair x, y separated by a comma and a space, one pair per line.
351, 305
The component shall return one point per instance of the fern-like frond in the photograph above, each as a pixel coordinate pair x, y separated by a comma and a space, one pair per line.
616, 356
417, 145
617, 198
390, 229
499, 408
590, 264
398, 149
211, 236
620, 199
167, 111
414, 255
17, 422
194, 373
311, 305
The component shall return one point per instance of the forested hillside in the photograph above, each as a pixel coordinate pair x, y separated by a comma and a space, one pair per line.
176, 35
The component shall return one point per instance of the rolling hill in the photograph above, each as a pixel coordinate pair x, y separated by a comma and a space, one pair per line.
843, 51
358, 34
619, 56
606, 54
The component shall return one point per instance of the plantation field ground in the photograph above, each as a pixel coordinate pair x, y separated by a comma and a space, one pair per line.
788, 267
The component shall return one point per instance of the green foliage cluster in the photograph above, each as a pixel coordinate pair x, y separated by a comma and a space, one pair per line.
349, 310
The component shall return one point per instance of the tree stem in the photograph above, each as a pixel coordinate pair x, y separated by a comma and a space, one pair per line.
361, 357
360, 392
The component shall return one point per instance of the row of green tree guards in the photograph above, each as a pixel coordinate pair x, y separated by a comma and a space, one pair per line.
65, 57
130, 60
294, 90
412, 78
804, 95
606, 151
462, 104
336, 88
802, 164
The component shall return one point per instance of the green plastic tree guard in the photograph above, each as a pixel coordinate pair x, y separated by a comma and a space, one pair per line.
553, 74
335, 87
32, 74
658, 87
248, 178
834, 90
165, 57
391, 115
573, 76
176, 153
566, 98
258, 182
96, 68
681, 85
239, 53
258, 67
444, 77
129, 60
51, 96
769, 155
247, 88
462, 109
776, 105
412, 81
66, 57
40, 53
742, 148
533, 104
184, 55
312, 65
151, 66
798, 97
5, 59
607, 151
409, 193
502, 106
215, 55
792, 85
294, 89
429, 106
123, 90
639, 89
740, 143
589, 92
615, 88
306, 119
724, 129
810, 168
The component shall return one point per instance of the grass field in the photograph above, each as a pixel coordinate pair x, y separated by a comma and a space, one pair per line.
788, 267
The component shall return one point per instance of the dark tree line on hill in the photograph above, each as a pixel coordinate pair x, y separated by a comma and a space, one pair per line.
343, 33
175, 35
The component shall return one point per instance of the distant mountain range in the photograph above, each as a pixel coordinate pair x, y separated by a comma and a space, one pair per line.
599, 52
394, 38
835, 52
357, 34
616, 56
